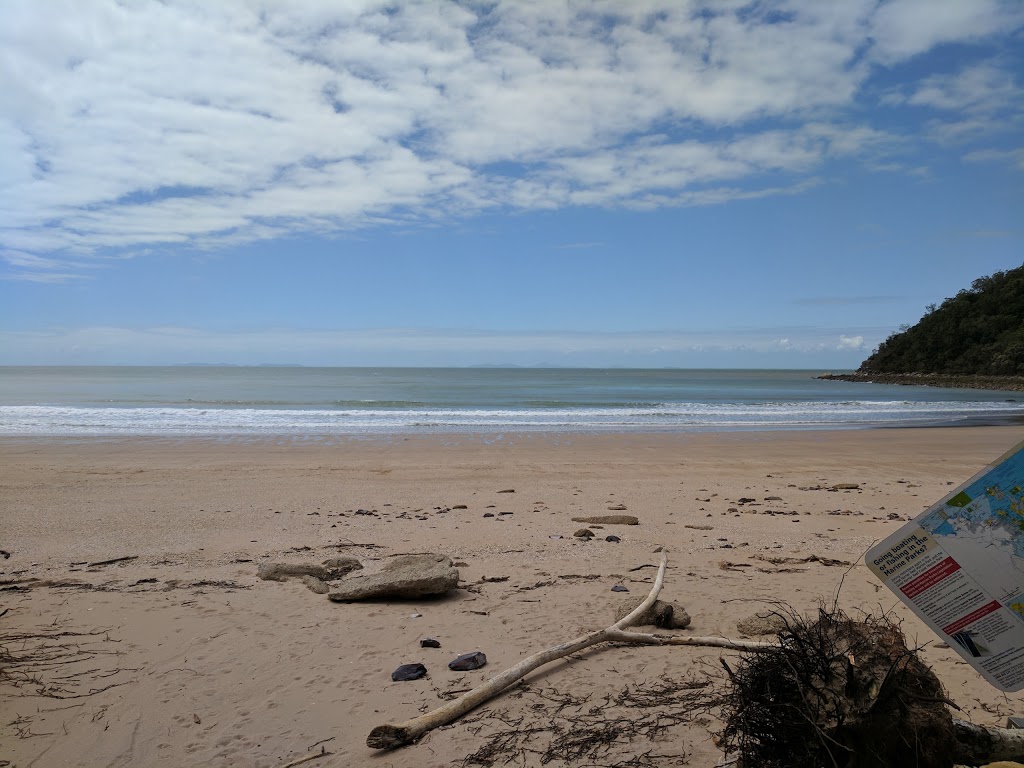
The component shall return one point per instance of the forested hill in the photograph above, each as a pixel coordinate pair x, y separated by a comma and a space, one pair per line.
974, 339
980, 331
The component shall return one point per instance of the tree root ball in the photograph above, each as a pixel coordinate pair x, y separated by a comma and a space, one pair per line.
838, 692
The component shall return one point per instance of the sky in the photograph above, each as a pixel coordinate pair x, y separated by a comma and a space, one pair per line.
692, 183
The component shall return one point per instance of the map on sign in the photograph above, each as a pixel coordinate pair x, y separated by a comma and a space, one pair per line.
960, 567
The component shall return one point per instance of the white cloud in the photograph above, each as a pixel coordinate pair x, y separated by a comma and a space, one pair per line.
133, 125
850, 342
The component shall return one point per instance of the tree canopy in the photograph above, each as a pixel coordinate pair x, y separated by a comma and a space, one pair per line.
980, 331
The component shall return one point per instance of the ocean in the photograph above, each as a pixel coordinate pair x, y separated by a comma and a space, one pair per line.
238, 401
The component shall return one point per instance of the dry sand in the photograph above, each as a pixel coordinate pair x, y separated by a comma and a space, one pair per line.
212, 667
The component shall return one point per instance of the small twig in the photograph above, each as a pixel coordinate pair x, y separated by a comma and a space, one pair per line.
113, 560
308, 758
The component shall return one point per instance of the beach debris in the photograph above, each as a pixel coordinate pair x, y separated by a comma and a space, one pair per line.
112, 561
609, 520
430, 642
659, 614
319, 586
391, 735
612, 539
839, 691
408, 672
620, 588
468, 661
508, 490
402, 576
5, 554
826, 561
845, 487
762, 623
584, 533
308, 758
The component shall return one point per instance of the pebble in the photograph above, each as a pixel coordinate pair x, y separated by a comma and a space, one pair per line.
409, 672
468, 661
612, 539
488, 514
429, 642
619, 588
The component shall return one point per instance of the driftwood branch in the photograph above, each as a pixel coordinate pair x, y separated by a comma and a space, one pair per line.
981, 744
398, 734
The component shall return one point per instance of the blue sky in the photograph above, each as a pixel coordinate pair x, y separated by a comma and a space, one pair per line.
650, 183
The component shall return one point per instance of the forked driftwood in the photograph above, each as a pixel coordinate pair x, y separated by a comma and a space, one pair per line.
398, 734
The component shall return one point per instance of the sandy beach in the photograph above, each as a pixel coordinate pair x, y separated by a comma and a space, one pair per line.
187, 658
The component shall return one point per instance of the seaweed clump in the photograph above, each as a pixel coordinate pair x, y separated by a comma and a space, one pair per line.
839, 693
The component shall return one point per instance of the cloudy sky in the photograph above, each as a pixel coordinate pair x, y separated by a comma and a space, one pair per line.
684, 182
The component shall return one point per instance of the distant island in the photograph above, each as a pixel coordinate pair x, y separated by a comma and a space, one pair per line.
974, 339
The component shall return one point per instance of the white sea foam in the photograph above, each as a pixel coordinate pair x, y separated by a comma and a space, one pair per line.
85, 421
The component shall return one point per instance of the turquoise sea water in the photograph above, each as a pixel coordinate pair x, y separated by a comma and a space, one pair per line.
211, 401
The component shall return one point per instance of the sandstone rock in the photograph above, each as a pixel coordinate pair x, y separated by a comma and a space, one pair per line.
763, 623
401, 577
340, 566
283, 571
661, 614
609, 520
316, 585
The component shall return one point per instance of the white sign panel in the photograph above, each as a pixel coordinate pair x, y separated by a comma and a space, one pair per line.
960, 567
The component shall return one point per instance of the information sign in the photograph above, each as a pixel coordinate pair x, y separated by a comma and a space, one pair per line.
960, 567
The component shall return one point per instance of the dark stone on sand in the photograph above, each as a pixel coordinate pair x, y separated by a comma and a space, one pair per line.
508, 490
402, 577
584, 533
612, 539
429, 642
409, 672
488, 514
460, 506
468, 661
609, 520
619, 588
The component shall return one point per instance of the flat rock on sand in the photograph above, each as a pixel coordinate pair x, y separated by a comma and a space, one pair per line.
403, 577
609, 520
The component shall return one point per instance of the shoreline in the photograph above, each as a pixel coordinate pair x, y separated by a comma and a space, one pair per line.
941, 380
215, 667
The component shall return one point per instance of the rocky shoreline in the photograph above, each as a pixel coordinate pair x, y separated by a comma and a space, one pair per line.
954, 381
